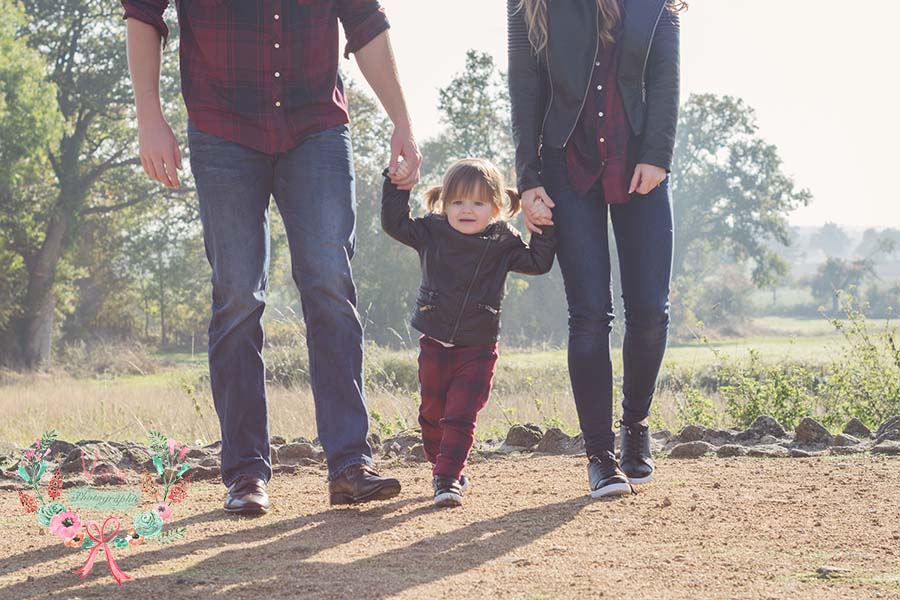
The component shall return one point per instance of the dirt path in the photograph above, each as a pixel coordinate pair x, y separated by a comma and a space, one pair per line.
712, 528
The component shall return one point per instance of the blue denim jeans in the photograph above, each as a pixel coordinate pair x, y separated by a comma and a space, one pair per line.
644, 239
313, 186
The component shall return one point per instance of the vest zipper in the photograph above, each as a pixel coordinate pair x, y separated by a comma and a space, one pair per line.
465, 301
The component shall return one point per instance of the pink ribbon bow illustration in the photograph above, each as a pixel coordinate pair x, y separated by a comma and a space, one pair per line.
118, 574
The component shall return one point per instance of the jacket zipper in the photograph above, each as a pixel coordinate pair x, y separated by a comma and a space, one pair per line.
587, 90
647, 54
550, 102
465, 301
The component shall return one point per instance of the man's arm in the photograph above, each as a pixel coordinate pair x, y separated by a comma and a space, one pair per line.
376, 61
159, 151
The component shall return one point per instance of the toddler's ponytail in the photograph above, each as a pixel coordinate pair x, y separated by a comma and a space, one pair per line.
515, 202
433, 199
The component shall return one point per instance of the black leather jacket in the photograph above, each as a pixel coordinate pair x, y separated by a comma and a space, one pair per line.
463, 276
547, 100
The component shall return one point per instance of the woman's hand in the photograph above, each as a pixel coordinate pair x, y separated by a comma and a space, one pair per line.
646, 177
536, 205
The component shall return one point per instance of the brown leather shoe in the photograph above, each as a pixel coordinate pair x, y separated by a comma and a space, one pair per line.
361, 483
247, 496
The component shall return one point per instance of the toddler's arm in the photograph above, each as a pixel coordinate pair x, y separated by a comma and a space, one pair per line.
395, 217
536, 258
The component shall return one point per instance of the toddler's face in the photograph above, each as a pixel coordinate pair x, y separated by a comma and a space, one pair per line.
470, 216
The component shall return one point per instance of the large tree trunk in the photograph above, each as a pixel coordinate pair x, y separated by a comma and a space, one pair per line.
39, 299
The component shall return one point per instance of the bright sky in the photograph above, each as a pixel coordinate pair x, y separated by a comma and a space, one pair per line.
804, 65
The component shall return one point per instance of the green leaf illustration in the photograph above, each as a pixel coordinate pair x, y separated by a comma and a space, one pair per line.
23, 473
182, 469
158, 442
40, 473
158, 463
172, 535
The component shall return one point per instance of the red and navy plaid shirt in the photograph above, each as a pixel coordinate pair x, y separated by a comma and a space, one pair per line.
598, 148
264, 74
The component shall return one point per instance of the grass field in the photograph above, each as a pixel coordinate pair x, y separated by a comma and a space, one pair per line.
531, 386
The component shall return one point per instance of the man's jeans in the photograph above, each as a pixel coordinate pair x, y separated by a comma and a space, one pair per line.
313, 186
643, 233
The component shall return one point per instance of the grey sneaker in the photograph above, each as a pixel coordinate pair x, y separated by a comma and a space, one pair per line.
447, 492
606, 478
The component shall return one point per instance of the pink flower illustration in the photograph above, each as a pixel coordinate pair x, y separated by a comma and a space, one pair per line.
171, 446
29, 454
65, 525
164, 510
183, 453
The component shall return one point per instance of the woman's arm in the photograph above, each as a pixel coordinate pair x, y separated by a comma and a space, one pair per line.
524, 95
663, 85
395, 219
537, 257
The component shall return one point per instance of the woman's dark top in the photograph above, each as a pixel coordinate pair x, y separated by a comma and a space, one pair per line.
548, 92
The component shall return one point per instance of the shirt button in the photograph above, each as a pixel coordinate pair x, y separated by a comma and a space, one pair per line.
600, 114
277, 16
278, 104
277, 74
602, 140
599, 87
277, 45
597, 63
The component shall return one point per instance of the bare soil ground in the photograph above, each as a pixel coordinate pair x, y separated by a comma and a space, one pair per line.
710, 528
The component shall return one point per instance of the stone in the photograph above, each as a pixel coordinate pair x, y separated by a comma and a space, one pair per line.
729, 450
416, 453
374, 441
135, 457
768, 440
846, 450
662, 436
810, 431
215, 447
889, 447
524, 436
829, 572
719, 437
694, 449
844, 439
301, 440
294, 453
889, 430
857, 428
763, 425
89, 454
199, 473
555, 441
768, 451
8, 451
798, 453
405, 441
277, 440
209, 462
198, 453
692, 433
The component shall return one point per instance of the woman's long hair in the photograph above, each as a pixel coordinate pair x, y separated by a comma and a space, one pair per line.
610, 13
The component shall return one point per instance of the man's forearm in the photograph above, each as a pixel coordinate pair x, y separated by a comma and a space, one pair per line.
143, 44
376, 62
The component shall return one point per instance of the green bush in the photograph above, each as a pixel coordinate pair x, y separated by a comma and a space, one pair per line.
864, 379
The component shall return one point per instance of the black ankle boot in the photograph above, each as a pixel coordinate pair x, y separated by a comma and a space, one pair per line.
634, 456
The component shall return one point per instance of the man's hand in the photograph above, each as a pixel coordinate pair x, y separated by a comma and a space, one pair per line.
646, 177
403, 144
536, 205
159, 151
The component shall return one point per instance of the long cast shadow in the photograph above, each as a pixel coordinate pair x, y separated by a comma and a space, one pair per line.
338, 525
278, 569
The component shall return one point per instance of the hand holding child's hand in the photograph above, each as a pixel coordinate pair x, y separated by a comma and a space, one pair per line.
402, 172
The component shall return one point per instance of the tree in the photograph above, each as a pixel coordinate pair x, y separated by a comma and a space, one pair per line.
837, 275
475, 112
83, 43
732, 195
29, 120
830, 239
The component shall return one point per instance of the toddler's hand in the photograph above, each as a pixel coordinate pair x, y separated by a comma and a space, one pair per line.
402, 172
